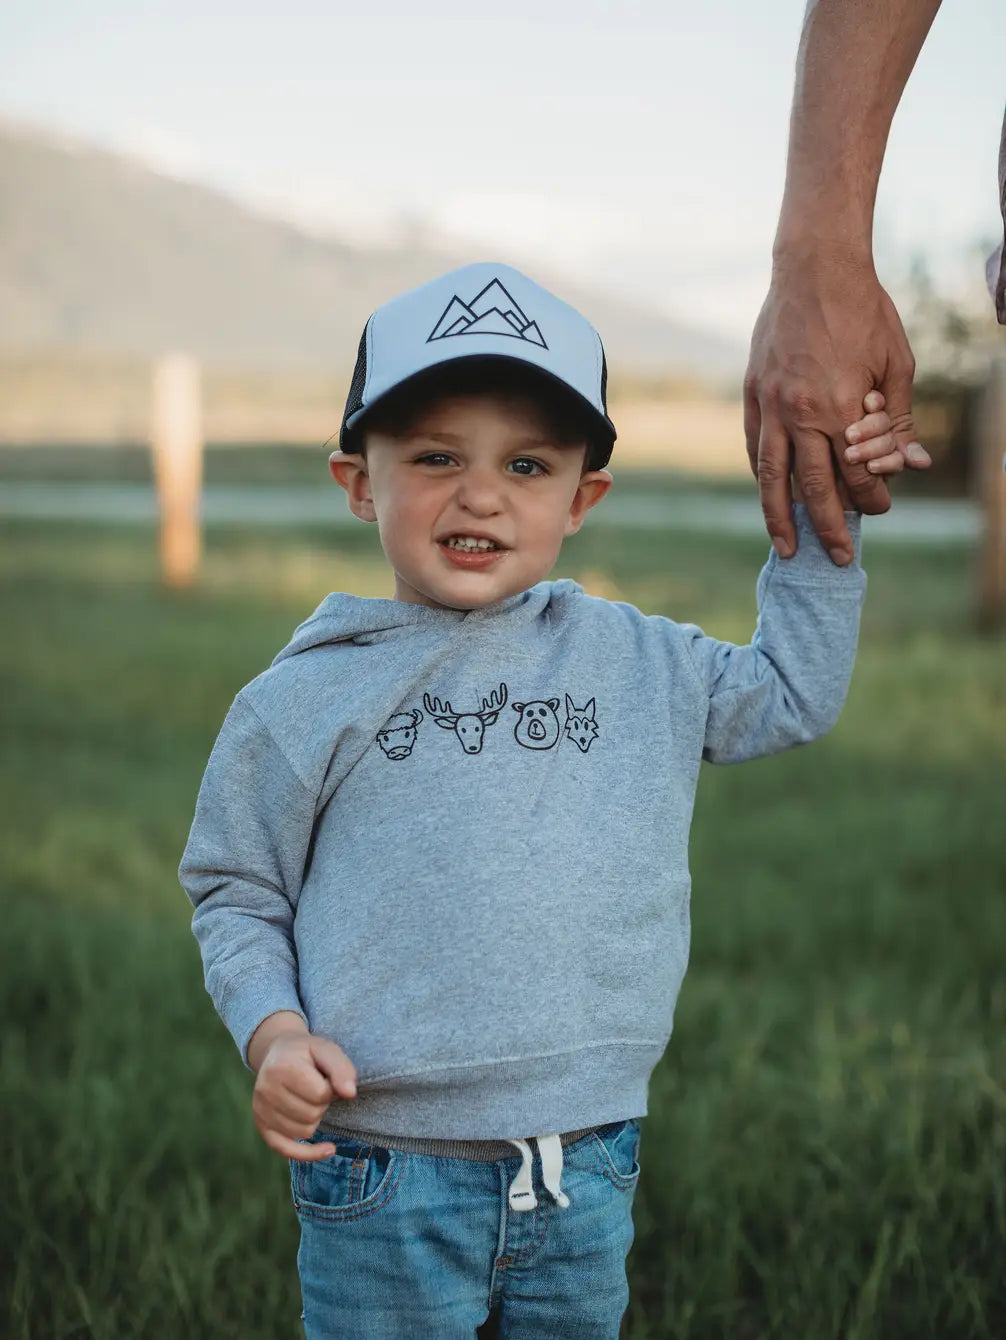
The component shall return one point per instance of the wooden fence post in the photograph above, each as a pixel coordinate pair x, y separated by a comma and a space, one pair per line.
177, 444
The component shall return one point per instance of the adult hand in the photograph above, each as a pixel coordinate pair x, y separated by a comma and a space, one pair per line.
826, 335
298, 1078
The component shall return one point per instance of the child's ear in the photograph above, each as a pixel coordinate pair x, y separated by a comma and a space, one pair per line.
593, 485
350, 470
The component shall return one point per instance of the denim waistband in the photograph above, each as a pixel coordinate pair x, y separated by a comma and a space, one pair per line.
484, 1150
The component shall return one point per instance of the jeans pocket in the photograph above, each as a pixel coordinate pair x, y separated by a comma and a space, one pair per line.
358, 1179
617, 1149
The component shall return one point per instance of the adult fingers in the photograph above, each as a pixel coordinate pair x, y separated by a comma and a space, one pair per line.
816, 474
916, 457
774, 486
870, 494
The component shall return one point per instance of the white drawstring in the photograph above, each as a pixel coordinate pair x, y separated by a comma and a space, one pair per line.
521, 1196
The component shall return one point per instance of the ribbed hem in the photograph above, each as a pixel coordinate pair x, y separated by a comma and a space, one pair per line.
483, 1150
564, 1091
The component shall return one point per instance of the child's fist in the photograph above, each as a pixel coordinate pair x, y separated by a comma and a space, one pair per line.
871, 440
299, 1076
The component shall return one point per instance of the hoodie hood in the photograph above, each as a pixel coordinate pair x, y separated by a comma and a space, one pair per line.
342, 617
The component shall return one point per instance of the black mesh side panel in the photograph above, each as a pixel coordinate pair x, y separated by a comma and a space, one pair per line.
354, 400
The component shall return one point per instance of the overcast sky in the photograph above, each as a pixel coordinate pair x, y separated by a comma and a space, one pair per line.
639, 145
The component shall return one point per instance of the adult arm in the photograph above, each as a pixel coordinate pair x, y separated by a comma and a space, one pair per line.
828, 332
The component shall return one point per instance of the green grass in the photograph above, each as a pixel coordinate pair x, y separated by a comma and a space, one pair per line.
825, 1153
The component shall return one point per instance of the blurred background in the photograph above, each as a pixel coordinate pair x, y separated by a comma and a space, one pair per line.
824, 1152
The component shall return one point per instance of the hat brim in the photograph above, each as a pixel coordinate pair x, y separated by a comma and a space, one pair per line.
601, 445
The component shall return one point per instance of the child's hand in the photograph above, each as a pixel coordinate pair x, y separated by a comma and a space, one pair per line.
870, 440
296, 1081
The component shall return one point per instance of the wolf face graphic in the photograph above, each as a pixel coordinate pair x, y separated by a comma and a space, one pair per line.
581, 727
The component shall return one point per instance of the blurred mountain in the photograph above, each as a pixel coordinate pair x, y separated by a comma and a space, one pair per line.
99, 253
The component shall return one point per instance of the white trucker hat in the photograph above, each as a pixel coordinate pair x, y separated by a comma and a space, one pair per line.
479, 311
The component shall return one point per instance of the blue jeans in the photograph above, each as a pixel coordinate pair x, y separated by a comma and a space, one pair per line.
405, 1246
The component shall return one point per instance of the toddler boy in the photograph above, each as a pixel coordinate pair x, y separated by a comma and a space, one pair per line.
439, 854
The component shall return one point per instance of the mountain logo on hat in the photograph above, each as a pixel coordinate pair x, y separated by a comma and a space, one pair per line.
491, 312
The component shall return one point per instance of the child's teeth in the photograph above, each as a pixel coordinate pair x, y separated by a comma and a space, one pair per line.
469, 542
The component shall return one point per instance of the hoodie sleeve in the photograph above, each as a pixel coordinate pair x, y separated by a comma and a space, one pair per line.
789, 685
242, 869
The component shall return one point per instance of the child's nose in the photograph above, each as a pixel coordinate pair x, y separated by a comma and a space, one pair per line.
479, 491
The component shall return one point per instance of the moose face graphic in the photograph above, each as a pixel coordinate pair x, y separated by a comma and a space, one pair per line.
469, 727
581, 727
399, 733
538, 726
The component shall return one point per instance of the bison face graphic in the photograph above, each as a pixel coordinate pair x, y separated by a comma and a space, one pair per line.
538, 726
399, 733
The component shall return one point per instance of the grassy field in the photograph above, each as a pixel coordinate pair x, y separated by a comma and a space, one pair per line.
825, 1154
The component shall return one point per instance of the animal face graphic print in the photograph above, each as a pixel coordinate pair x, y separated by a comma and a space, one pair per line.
537, 726
581, 727
469, 727
399, 733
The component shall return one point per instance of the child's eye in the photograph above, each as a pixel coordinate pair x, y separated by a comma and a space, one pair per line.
522, 461
433, 458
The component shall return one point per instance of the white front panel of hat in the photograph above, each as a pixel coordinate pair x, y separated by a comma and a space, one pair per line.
482, 309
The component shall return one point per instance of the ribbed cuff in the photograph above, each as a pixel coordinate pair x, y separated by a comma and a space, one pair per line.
811, 559
253, 999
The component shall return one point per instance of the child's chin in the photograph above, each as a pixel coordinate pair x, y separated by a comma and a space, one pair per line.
457, 597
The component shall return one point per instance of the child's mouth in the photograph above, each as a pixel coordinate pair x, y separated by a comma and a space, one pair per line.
470, 553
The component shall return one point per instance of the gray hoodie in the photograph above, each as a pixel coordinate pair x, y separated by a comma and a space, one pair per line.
456, 841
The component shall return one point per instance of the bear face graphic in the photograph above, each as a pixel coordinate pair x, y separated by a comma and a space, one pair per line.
538, 725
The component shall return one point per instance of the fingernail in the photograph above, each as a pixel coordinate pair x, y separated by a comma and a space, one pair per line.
872, 467
917, 453
839, 556
349, 1090
852, 454
781, 547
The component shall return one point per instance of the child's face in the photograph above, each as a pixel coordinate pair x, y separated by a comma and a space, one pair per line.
477, 465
